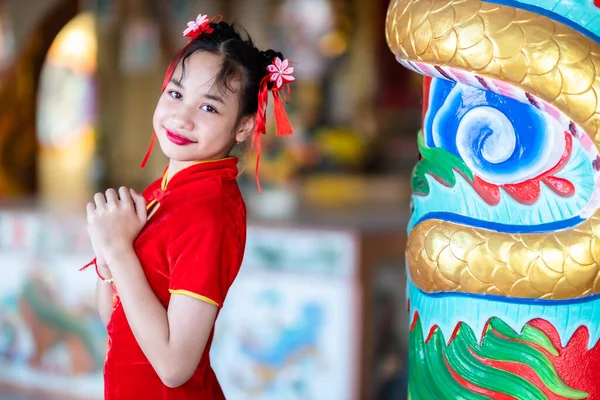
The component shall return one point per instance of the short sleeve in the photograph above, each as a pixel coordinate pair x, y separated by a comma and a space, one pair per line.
203, 262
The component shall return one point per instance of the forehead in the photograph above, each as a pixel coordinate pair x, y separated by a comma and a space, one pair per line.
201, 71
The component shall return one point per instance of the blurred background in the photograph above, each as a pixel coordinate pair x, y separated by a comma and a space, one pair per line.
318, 311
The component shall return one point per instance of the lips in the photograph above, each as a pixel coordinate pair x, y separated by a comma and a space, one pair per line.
178, 139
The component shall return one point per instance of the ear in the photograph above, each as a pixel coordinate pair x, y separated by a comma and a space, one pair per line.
245, 128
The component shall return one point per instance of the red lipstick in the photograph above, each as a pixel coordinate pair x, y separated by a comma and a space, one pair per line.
178, 139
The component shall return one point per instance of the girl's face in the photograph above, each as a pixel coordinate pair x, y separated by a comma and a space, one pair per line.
194, 120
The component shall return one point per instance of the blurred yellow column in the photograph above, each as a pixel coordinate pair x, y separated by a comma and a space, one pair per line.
67, 113
133, 56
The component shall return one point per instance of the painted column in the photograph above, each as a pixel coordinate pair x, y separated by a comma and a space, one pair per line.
503, 252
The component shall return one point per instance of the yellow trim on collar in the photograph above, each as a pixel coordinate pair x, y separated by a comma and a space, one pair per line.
150, 205
194, 295
163, 184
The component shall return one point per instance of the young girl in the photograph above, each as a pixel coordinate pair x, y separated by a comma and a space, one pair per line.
171, 254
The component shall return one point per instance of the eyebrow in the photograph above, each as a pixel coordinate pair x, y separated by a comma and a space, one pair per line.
176, 82
209, 96
214, 97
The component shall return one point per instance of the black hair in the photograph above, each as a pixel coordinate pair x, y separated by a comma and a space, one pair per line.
242, 62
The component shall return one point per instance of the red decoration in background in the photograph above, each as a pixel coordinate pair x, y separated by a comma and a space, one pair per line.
489, 192
523, 371
528, 192
426, 90
575, 364
597, 3
425, 106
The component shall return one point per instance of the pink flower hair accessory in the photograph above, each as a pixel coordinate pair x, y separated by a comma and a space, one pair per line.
199, 26
280, 72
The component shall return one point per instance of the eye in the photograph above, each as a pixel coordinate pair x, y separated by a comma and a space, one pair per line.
176, 95
209, 108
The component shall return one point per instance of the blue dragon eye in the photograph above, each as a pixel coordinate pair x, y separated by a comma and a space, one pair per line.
497, 161
502, 140
486, 133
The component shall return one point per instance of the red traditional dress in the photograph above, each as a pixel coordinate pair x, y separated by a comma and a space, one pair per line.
192, 245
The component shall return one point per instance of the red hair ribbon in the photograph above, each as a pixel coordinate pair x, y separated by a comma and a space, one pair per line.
280, 73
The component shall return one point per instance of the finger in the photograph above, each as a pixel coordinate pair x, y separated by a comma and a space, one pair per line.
90, 208
125, 196
99, 200
111, 197
140, 206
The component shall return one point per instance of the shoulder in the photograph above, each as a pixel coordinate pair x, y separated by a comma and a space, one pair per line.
215, 208
210, 198
206, 227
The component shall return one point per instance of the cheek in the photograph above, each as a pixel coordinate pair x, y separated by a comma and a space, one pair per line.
156, 124
225, 131
214, 135
159, 113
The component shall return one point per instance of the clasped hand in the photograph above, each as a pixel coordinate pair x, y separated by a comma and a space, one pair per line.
115, 221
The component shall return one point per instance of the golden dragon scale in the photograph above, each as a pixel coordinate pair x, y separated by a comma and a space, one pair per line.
503, 253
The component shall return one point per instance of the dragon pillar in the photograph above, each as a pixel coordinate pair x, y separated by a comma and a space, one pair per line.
503, 254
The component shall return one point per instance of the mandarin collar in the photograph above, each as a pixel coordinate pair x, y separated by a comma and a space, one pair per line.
225, 168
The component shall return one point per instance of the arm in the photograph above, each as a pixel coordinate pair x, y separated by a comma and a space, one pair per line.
173, 339
104, 295
104, 290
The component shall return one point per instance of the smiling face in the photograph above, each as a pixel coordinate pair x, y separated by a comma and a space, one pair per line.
195, 119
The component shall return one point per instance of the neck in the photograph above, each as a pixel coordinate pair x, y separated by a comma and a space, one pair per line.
175, 166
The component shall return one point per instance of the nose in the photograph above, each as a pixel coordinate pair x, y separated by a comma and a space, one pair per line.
182, 119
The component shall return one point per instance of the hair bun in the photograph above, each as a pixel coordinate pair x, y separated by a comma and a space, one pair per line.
223, 31
269, 56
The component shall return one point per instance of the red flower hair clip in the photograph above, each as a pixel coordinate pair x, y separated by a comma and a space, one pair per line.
280, 73
199, 26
